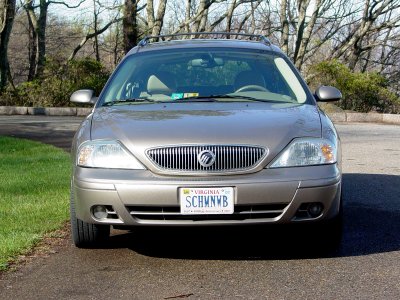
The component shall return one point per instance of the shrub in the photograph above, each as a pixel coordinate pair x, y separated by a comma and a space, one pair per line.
57, 84
363, 92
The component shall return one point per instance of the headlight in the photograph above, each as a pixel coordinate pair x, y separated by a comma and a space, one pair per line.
106, 154
307, 152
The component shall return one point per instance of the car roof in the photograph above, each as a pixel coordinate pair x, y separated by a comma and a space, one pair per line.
204, 43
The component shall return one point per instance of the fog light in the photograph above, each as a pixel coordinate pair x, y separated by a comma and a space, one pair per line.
100, 212
315, 209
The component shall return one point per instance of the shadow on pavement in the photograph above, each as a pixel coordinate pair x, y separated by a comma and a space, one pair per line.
371, 225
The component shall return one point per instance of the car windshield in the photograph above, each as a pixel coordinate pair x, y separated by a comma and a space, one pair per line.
203, 74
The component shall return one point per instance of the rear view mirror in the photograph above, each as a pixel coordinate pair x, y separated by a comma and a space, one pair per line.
206, 62
83, 96
327, 93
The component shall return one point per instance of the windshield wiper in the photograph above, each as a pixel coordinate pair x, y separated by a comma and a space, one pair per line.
213, 98
131, 100
195, 98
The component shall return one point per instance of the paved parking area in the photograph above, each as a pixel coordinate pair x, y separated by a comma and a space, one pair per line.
231, 263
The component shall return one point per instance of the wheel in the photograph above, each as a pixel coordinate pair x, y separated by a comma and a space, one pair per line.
86, 235
248, 88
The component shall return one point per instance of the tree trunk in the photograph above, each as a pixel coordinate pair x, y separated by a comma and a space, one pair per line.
32, 23
129, 25
96, 40
306, 34
187, 15
302, 8
366, 62
383, 51
116, 45
202, 11
229, 16
150, 16
162, 5
203, 21
285, 27
7, 13
41, 35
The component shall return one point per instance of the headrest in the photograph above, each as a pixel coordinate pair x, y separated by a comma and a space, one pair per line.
161, 83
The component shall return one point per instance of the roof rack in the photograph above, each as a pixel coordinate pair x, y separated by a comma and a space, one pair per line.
169, 37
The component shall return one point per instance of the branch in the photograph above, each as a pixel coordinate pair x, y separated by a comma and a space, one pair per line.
196, 17
222, 17
92, 35
65, 4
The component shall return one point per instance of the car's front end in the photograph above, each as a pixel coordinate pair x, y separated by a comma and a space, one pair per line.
153, 154
266, 185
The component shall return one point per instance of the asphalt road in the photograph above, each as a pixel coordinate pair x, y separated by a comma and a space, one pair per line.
232, 263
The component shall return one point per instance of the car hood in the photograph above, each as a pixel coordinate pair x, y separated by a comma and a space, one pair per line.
142, 126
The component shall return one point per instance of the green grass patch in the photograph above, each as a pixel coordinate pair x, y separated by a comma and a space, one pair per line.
34, 193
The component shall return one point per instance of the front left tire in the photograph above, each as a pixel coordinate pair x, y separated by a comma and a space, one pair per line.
86, 235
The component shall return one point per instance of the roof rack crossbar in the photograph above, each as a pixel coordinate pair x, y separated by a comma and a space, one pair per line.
163, 37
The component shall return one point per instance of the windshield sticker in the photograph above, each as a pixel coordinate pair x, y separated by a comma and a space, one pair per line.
177, 96
190, 95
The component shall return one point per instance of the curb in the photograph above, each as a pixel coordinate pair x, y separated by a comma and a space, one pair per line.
83, 111
354, 117
46, 111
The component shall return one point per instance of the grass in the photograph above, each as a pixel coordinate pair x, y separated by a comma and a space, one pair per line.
34, 193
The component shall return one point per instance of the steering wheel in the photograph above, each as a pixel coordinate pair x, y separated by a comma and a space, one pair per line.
254, 87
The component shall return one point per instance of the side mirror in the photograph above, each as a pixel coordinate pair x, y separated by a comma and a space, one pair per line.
327, 93
83, 96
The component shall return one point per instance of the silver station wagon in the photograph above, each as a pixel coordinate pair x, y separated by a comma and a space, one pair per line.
205, 131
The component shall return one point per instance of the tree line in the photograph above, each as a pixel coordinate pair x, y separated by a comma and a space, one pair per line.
36, 43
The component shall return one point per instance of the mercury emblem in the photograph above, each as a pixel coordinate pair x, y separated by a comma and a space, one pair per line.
206, 158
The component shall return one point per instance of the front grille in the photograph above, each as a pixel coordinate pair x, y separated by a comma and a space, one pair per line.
227, 157
172, 213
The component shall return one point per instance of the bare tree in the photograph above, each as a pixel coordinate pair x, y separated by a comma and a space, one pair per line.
38, 26
355, 42
365, 34
155, 21
305, 30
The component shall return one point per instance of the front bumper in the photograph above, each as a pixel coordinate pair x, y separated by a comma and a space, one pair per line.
139, 197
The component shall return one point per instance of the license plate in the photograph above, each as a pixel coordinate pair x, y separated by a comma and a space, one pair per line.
202, 201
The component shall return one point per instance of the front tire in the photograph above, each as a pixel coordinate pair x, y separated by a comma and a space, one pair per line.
86, 235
